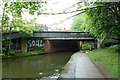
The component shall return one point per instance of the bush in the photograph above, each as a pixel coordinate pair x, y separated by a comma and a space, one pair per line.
2, 54
5, 47
39, 51
115, 48
85, 45
12, 52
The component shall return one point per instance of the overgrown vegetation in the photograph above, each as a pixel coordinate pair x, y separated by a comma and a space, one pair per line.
77, 22
100, 18
22, 54
13, 21
115, 48
104, 21
86, 45
16, 52
107, 56
5, 48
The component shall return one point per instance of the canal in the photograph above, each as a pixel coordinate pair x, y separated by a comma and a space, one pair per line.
47, 65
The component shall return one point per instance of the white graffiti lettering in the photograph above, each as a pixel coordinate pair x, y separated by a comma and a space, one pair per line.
35, 43
29, 44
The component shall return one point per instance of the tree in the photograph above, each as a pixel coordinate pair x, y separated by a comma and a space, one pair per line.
77, 22
103, 22
13, 11
12, 17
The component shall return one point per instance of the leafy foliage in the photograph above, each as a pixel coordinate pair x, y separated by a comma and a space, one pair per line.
86, 45
115, 48
77, 22
12, 20
16, 8
12, 16
103, 22
5, 47
20, 25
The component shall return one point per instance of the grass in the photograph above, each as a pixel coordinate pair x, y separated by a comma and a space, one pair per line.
107, 57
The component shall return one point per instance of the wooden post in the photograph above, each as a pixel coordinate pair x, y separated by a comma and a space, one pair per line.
24, 44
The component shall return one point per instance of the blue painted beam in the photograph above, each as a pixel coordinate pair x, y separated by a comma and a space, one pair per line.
48, 34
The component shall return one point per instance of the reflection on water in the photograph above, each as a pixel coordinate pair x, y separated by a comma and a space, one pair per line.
35, 66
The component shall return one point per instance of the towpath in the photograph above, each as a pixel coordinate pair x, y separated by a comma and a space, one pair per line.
81, 66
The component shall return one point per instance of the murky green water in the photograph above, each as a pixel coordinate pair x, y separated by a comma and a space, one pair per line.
35, 66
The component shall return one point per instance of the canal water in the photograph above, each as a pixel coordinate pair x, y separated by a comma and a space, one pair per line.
48, 65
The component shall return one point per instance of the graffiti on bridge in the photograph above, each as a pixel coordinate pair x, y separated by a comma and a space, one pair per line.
35, 43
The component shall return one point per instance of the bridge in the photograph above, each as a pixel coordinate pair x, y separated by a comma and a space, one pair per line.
51, 35
52, 41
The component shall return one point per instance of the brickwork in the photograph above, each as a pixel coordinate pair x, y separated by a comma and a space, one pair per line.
55, 46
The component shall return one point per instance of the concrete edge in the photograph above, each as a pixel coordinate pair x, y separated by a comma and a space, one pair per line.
66, 66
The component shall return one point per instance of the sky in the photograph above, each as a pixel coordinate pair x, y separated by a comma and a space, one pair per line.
54, 6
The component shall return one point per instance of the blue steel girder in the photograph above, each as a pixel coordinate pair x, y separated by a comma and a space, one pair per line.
48, 34
14, 35
61, 34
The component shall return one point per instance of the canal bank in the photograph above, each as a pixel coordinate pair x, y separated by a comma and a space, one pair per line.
49, 66
39, 66
23, 54
81, 66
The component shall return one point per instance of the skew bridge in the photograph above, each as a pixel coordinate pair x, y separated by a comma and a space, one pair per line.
50, 41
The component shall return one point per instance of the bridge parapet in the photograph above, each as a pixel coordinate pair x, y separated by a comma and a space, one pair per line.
48, 34
63, 34
7, 36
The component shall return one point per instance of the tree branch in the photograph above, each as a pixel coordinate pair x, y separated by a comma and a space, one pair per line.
78, 13
118, 16
71, 6
71, 17
70, 12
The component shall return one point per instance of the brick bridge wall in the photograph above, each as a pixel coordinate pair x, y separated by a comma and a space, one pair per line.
48, 45
25, 44
63, 45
